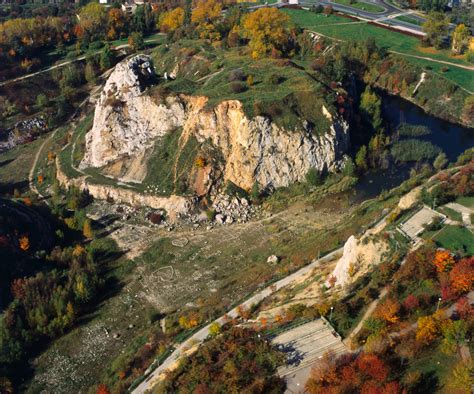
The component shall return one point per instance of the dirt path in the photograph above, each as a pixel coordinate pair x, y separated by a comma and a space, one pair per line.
367, 314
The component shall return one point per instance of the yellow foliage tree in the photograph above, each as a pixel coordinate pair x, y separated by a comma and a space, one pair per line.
204, 16
214, 329
171, 20
87, 229
427, 330
268, 31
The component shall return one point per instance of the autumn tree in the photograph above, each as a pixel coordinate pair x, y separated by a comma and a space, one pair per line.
436, 28
87, 229
427, 330
24, 243
117, 24
135, 41
454, 335
388, 310
460, 39
411, 302
443, 260
171, 20
462, 275
361, 158
204, 16
92, 21
268, 31
214, 329
371, 106
102, 389
462, 377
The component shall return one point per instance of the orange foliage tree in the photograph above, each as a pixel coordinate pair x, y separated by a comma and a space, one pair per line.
24, 243
443, 260
462, 275
103, 389
388, 310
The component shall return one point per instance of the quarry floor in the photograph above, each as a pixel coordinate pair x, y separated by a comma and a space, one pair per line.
187, 268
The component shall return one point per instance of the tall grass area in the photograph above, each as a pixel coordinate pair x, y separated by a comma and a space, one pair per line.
345, 29
414, 150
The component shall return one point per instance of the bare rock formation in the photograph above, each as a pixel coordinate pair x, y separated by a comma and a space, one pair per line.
128, 122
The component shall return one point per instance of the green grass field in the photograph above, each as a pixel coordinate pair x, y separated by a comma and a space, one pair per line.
466, 201
345, 29
407, 19
457, 239
452, 214
360, 5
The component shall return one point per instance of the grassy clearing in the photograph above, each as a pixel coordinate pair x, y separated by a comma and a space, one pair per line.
15, 165
407, 19
466, 201
435, 366
456, 238
451, 213
361, 5
342, 29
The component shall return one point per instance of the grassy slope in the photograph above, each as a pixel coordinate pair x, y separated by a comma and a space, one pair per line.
345, 29
207, 72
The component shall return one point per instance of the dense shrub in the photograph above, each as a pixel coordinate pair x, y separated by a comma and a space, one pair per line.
218, 367
237, 75
238, 87
409, 130
414, 150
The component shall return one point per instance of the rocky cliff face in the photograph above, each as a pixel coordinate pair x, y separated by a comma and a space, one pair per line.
127, 123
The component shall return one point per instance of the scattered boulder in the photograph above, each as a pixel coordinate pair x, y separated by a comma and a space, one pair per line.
232, 209
273, 259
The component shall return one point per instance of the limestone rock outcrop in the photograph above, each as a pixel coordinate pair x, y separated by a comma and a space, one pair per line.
358, 256
128, 122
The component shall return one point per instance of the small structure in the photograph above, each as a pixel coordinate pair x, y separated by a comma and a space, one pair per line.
293, 2
414, 226
304, 346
